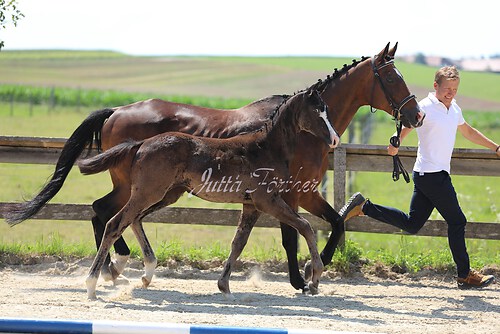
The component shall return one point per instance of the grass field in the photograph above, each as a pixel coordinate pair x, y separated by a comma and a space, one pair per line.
246, 78
235, 77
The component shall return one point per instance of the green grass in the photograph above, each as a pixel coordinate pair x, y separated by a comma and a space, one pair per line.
59, 55
236, 77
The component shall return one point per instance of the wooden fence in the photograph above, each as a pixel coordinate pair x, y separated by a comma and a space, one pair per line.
348, 157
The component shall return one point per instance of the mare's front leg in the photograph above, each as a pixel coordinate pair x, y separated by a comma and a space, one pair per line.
277, 207
289, 241
248, 218
315, 204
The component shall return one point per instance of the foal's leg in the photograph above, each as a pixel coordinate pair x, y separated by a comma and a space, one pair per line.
147, 251
248, 218
114, 229
105, 208
129, 214
280, 210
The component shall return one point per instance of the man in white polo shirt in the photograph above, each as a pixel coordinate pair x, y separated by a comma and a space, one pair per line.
431, 175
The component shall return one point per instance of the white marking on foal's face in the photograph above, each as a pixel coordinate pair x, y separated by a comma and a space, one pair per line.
335, 138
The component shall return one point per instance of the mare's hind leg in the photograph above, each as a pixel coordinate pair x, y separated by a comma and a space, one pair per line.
105, 208
248, 218
149, 257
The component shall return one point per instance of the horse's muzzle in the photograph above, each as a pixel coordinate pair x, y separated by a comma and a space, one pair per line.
414, 122
334, 140
420, 119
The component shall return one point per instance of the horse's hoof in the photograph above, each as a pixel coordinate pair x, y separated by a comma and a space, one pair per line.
145, 282
305, 290
121, 280
223, 287
313, 288
308, 273
229, 296
119, 263
106, 275
91, 283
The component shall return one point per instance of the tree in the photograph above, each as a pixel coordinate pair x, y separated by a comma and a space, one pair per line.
420, 58
9, 14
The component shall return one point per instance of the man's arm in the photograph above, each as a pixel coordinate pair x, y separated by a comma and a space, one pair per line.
475, 136
394, 150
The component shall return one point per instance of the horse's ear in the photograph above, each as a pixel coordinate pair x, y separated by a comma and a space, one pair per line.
384, 52
315, 94
392, 51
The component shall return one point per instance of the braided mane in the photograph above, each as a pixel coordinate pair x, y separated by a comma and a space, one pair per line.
322, 84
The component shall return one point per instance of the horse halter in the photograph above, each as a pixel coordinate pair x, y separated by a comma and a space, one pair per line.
396, 107
398, 167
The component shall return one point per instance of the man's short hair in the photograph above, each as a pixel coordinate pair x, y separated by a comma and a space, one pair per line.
446, 73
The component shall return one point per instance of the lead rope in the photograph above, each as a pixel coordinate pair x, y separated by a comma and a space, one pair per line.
398, 167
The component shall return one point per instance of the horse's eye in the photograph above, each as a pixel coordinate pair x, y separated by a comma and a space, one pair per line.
389, 78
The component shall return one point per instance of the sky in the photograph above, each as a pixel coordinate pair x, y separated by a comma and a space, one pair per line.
455, 29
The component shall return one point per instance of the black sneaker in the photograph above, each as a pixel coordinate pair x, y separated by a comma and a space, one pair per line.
475, 280
353, 207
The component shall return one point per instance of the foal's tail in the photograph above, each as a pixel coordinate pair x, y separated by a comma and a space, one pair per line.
74, 146
109, 158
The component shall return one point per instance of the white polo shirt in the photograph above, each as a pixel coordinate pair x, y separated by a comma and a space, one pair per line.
436, 137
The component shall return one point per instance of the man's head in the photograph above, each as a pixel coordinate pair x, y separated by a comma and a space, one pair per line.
446, 83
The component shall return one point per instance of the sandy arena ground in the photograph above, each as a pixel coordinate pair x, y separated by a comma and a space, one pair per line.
262, 299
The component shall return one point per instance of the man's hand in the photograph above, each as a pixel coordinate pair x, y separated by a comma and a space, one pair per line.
394, 150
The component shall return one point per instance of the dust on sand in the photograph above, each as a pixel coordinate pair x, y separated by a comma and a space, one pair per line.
394, 303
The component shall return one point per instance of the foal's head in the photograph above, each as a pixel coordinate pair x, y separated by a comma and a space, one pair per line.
313, 118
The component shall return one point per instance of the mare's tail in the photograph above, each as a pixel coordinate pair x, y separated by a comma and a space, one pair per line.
74, 146
109, 158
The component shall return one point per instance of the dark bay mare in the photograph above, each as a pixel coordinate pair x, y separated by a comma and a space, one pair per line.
371, 81
164, 167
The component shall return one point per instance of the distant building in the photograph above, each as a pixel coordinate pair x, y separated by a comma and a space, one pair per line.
471, 64
481, 65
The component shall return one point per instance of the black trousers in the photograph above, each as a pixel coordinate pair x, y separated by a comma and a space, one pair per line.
431, 190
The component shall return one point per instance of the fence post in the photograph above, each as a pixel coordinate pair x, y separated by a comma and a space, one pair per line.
339, 182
